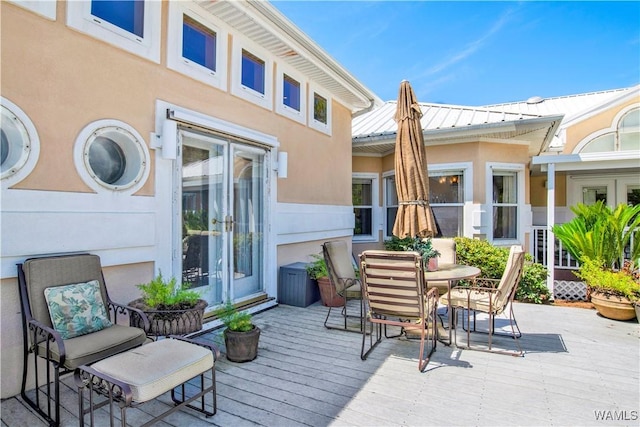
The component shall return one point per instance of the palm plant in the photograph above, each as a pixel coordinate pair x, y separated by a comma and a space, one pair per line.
600, 233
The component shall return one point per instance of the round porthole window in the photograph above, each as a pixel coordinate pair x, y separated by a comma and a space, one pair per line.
15, 145
114, 156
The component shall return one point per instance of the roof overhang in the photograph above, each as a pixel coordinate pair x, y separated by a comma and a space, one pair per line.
537, 133
590, 161
263, 24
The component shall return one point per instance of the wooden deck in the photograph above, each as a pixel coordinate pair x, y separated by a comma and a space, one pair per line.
578, 368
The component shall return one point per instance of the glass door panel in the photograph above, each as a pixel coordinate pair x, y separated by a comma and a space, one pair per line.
248, 194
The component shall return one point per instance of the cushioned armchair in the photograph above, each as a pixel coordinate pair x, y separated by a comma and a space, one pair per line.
344, 282
68, 320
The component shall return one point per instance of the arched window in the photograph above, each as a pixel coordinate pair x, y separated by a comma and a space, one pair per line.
625, 137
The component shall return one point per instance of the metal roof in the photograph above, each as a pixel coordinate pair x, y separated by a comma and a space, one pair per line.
263, 24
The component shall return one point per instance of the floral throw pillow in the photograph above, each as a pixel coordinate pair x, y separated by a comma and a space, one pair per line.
77, 309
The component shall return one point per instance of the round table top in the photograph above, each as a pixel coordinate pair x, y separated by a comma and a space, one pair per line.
452, 272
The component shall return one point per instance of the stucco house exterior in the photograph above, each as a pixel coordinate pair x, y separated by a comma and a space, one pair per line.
504, 172
210, 141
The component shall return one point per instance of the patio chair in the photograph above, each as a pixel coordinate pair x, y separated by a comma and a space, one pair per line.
394, 295
68, 320
492, 297
344, 282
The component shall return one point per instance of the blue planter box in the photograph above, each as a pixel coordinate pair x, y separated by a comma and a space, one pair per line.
295, 287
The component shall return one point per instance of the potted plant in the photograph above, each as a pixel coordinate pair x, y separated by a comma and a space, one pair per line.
171, 309
613, 293
241, 336
317, 270
422, 245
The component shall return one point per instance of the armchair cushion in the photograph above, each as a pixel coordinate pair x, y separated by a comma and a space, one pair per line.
77, 309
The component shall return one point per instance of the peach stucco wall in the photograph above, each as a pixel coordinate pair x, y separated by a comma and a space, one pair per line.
64, 80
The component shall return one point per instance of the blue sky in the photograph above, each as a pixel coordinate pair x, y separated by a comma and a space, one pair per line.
477, 53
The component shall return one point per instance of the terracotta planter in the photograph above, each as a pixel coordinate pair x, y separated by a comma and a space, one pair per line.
328, 293
169, 322
613, 307
433, 264
242, 346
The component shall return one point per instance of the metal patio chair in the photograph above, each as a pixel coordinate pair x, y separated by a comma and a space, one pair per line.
492, 297
68, 320
344, 281
394, 294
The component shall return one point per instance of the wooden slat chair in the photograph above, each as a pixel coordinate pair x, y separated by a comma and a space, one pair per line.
44, 279
394, 294
344, 282
492, 297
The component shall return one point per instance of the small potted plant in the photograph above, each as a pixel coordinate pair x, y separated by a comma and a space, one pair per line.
171, 309
422, 245
317, 270
241, 336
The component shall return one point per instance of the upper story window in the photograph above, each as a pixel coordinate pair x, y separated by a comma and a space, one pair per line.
320, 110
197, 46
291, 94
252, 73
364, 188
125, 14
133, 25
624, 135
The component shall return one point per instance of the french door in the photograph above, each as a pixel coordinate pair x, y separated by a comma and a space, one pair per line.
222, 217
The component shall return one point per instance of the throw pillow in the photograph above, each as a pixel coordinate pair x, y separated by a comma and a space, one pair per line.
77, 309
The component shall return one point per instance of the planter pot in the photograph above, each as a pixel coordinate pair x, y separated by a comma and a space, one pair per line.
613, 307
637, 307
242, 346
328, 293
433, 264
169, 322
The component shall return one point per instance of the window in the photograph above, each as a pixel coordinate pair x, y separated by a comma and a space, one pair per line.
319, 110
391, 204
446, 197
125, 14
505, 205
361, 190
111, 155
593, 194
252, 72
624, 135
19, 144
196, 44
133, 25
291, 94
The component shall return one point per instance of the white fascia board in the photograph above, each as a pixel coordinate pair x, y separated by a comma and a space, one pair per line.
590, 161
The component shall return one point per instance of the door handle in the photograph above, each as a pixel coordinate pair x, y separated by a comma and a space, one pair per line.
228, 223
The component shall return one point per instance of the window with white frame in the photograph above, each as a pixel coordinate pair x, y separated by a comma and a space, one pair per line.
505, 205
133, 25
197, 45
364, 190
46, 8
446, 198
291, 94
623, 136
252, 74
319, 110
19, 144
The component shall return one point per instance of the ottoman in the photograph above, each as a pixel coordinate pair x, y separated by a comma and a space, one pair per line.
146, 372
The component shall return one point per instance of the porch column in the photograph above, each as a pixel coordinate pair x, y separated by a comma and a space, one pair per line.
551, 208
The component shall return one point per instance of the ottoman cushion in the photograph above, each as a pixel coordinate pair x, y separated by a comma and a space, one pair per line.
158, 367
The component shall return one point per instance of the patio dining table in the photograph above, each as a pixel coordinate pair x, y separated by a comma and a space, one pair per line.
451, 273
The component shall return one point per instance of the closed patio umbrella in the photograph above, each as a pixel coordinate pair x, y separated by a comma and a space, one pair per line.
414, 217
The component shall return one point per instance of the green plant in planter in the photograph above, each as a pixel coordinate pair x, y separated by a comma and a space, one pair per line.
160, 294
234, 320
317, 268
608, 282
424, 246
